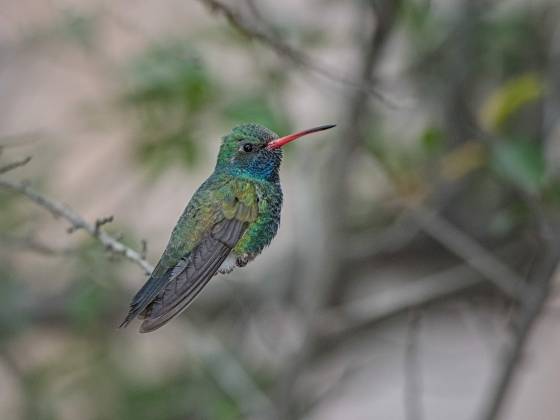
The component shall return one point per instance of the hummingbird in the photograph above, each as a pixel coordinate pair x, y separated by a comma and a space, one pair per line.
229, 220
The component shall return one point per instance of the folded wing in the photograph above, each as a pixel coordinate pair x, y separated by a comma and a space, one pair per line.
192, 273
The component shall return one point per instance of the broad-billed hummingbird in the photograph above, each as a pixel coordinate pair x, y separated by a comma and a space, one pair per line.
232, 216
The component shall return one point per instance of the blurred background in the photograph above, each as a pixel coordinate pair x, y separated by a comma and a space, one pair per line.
412, 277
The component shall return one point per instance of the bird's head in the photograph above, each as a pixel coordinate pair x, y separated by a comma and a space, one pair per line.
256, 151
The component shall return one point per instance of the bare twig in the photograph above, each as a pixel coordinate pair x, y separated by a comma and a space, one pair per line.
231, 375
76, 221
253, 8
412, 392
297, 57
532, 306
14, 165
361, 246
471, 251
101, 222
352, 317
347, 319
144, 249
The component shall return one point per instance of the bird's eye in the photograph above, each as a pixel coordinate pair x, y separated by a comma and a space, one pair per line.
247, 147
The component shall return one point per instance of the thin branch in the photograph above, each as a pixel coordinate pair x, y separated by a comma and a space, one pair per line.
532, 306
231, 375
58, 209
144, 249
13, 165
253, 8
362, 246
471, 251
103, 221
412, 391
349, 318
297, 57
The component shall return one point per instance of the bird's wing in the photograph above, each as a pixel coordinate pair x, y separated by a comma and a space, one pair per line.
207, 237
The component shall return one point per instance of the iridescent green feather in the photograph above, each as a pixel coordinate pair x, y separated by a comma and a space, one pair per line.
260, 233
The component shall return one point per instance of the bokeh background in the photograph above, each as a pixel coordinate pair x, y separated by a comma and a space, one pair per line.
418, 242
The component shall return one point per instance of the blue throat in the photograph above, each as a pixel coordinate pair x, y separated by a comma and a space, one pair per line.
261, 171
262, 167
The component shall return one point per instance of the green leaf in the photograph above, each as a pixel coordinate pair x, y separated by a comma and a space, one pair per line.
509, 99
157, 151
416, 14
172, 74
522, 163
79, 28
69, 25
169, 89
432, 140
86, 305
551, 194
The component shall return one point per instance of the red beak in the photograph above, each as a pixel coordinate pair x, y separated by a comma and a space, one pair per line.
275, 144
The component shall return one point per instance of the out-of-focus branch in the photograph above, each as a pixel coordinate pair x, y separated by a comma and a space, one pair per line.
323, 264
296, 56
231, 375
362, 246
237, 21
348, 319
353, 133
8, 362
532, 305
471, 251
412, 391
14, 165
34, 245
77, 222
461, 244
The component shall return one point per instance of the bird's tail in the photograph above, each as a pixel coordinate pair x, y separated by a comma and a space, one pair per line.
144, 297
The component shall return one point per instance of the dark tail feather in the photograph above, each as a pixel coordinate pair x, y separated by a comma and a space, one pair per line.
151, 324
193, 274
144, 297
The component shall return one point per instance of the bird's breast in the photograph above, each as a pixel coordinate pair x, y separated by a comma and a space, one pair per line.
260, 233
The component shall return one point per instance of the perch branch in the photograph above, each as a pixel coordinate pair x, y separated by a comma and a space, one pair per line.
77, 222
